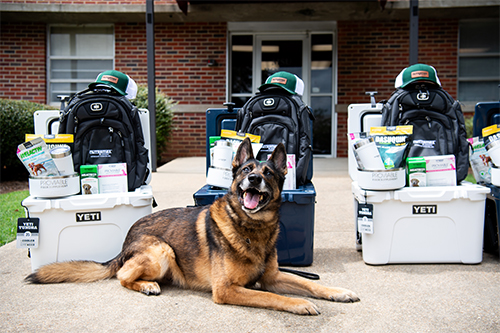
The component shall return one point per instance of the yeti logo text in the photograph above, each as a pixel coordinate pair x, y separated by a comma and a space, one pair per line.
268, 102
88, 217
96, 106
424, 209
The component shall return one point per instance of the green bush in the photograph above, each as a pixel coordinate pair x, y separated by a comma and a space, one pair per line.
469, 123
16, 120
164, 117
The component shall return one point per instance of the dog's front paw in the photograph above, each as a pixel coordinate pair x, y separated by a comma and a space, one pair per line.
304, 307
344, 295
150, 288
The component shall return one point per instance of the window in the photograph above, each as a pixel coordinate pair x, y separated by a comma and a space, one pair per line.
479, 61
241, 70
321, 92
76, 55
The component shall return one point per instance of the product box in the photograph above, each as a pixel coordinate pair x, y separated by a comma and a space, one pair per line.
85, 227
441, 170
112, 177
424, 224
89, 179
295, 240
290, 178
416, 168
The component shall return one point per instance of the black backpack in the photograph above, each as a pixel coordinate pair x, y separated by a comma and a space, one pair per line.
437, 119
107, 129
277, 116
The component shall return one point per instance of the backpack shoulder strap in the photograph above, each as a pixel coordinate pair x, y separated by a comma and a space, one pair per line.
390, 109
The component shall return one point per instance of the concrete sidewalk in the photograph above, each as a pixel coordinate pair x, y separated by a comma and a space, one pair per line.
394, 298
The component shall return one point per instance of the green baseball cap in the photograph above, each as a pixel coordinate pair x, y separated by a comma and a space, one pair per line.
417, 72
288, 81
118, 81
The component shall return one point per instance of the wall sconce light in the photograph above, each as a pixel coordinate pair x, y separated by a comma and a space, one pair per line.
212, 63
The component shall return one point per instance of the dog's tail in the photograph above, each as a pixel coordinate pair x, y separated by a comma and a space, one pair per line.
74, 271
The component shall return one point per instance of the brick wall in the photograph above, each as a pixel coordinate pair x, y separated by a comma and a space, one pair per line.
22, 62
372, 53
188, 138
182, 72
182, 54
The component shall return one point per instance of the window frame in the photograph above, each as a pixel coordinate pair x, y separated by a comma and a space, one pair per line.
49, 58
460, 56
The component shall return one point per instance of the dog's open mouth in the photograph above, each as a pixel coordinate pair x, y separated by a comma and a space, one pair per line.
252, 198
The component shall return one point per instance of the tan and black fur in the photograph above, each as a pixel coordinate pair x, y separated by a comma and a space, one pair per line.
227, 248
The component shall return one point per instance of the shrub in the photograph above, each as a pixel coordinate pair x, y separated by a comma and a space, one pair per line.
16, 120
164, 117
469, 123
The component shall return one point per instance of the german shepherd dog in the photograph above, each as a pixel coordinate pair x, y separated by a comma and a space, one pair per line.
227, 248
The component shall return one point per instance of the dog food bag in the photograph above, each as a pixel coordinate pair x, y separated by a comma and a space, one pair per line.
236, 139
36, 158
480, 161
53, 140
392, 143
89, 179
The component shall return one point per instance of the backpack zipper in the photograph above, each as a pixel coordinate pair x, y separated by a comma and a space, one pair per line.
428, 121
121, 138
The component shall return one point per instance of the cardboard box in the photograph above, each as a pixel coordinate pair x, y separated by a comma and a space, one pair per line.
415, 167
424, 224
440, 170
112, 178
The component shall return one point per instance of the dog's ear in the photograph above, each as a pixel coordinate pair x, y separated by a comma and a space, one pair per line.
279, 158
243, 154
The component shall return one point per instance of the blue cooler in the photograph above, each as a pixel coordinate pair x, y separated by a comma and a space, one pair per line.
295, 240
486, 114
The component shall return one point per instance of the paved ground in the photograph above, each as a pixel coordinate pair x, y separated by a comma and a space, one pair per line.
394, 298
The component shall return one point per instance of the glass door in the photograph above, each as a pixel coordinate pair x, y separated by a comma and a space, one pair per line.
280, 53
254, 57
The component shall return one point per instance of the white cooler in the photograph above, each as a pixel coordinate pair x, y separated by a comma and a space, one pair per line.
85, 227
424, 224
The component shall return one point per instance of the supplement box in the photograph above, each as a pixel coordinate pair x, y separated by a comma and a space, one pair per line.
423, 224
85, 227
415, 167
440, 170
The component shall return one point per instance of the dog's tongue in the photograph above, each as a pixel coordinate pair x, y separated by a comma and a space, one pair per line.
251, 200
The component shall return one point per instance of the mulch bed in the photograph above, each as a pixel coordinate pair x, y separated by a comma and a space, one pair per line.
13, 185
